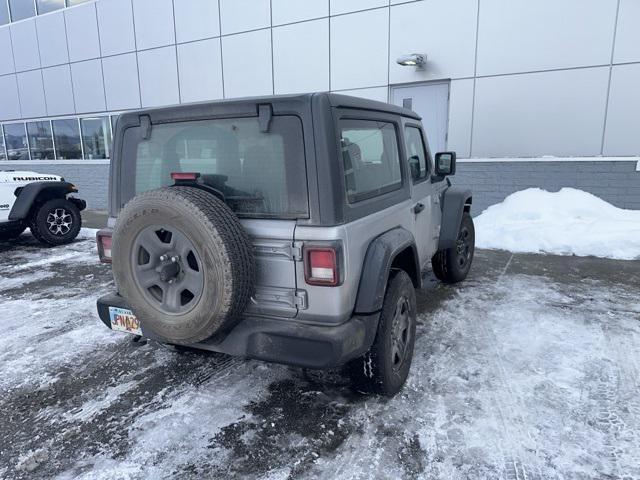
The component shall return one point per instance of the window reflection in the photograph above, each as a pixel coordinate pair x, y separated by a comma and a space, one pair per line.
3, 155
45, 6
67, 138
71, 3
40, 141
96, 137
15, 138
21, 9
4, 13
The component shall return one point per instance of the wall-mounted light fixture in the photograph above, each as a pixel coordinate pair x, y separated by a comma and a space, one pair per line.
413, 60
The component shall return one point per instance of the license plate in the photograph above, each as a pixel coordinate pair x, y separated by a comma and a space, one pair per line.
123, 320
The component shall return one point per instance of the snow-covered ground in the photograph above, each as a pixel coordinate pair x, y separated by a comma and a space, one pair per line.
567, 222
529, 370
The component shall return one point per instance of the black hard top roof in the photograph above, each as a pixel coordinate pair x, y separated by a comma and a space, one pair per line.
335, 100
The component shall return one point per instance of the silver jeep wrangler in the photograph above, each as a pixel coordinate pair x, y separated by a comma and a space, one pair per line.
291, 229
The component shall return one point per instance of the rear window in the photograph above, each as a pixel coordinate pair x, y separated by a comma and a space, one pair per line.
261, 174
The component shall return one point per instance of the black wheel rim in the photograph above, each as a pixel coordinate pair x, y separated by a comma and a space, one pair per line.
463, 247
59, 222
167, 269
400, 333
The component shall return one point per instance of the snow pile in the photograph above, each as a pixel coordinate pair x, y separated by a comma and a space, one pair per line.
568, 222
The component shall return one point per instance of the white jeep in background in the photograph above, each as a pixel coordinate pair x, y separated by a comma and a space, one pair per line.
40, 202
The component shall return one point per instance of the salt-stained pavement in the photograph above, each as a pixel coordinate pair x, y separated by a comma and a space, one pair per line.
530, 369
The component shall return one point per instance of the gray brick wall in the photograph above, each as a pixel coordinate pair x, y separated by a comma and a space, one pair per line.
92, 180
615, 182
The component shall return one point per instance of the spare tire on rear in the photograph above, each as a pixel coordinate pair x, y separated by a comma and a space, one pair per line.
183, 262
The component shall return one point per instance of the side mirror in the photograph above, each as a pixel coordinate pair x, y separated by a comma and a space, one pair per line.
445, 163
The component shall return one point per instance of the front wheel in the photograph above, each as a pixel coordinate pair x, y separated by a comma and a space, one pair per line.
453, 264
385, 367
56, 222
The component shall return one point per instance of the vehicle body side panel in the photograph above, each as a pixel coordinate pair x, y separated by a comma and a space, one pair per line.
336, 304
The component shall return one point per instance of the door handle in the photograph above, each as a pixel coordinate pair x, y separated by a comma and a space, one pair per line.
418, 207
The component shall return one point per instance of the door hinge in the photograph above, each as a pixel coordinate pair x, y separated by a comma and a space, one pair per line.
296, 251
300, 299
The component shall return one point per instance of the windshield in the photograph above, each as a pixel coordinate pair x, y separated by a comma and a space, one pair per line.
261, 174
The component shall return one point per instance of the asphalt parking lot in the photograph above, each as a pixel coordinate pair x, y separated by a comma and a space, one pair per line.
530, 369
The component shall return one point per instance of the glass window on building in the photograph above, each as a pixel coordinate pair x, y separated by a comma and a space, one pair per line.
15, 139
4, 12
71, 3
96, 137
46, 6
3, 155
40, 140
21, 9
66, 134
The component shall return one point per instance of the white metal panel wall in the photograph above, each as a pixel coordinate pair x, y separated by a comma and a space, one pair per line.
460, 115
82, 32
243, 15
627, 48
122, 90
265, 51
359, 49
530, 115
52, 39
58, 90
158, 77
196, 20
622, 135
200, 70
115, 20
301, 42
9, 102
88, 88
25, 45
31, 93
288, 11
247, 64
153, 21
6, 64
443, 29
522, 35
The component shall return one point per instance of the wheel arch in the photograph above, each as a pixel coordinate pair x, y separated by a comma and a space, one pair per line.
394, 249
37, 193
455, 202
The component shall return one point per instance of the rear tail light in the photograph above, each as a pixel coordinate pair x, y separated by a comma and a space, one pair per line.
103, 239
184, 176
321, 266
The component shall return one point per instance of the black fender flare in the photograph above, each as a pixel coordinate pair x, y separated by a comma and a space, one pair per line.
377, 265
29, 195
454, 201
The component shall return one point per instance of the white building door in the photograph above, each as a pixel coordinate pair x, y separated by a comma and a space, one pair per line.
431, 102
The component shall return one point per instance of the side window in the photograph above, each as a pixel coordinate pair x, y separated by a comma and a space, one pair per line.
416, 153
370, 158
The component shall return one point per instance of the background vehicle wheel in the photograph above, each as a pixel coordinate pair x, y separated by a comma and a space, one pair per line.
184, 263
452, 265
385, 367
10, 233
56, 222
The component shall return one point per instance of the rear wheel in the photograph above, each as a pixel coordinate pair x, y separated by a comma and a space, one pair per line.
453, 264
385, 367
56, 222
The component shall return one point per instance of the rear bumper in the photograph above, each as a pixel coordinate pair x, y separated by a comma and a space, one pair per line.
283, 340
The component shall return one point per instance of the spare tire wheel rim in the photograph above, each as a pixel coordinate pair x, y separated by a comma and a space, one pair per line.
167, 269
